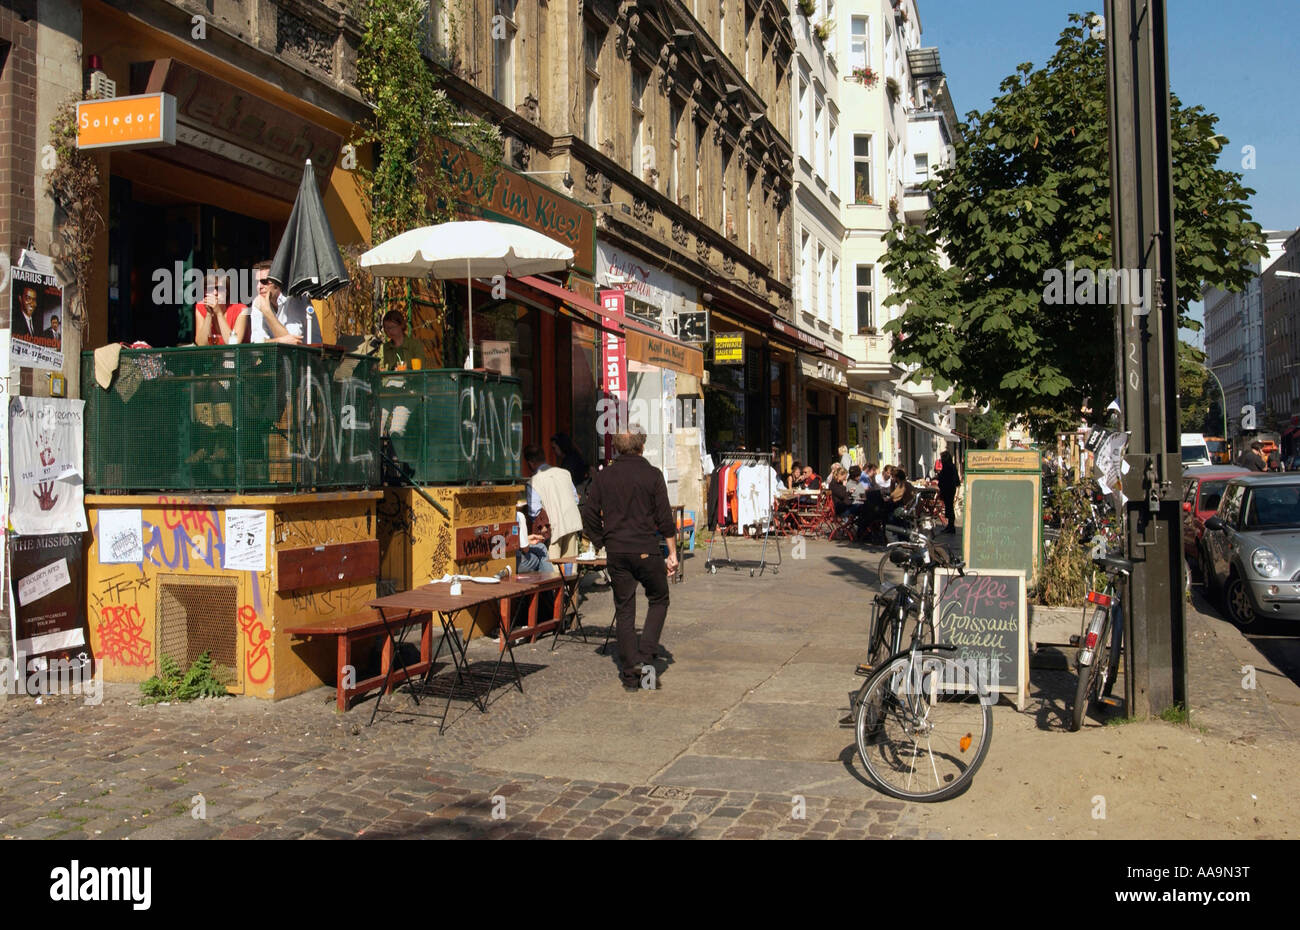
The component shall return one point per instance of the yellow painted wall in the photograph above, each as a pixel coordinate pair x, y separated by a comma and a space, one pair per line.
183, 541
417, 543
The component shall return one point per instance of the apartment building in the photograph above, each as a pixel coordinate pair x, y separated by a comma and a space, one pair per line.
1280, 298
1235, 339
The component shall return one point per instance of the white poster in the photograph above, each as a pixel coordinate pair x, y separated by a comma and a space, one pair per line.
245, 541
43, 581
32, 355
120, 537
45, 465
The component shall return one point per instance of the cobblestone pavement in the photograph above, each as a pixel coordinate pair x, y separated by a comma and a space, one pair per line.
297, 768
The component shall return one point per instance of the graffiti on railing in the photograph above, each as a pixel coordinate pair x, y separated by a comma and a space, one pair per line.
491, 425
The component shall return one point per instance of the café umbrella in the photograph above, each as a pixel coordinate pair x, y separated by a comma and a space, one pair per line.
307, 262
473, 248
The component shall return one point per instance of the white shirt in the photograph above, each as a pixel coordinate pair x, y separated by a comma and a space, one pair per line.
295, 313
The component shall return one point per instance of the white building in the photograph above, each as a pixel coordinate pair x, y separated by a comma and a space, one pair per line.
896, 126
1234, 339
820, 379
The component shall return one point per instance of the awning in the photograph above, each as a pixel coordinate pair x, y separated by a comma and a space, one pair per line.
861, 398
930, 428
644, 343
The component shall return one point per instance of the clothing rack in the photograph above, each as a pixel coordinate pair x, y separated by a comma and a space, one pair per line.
711, 564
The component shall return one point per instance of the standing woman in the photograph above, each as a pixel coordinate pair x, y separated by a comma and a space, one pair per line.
948, 483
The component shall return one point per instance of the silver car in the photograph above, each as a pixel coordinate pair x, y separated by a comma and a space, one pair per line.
1252, 548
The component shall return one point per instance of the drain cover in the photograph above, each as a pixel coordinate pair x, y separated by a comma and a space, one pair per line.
665, 793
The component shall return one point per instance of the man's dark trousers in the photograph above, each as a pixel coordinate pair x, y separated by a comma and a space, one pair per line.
625, 573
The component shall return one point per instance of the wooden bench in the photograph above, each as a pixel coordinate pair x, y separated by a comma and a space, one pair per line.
352, 629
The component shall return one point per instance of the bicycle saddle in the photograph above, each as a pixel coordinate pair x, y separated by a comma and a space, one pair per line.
1114, 563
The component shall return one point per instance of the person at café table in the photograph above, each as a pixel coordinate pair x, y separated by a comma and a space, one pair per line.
811, 480
796, 476
214, 317
400, 348
262, 323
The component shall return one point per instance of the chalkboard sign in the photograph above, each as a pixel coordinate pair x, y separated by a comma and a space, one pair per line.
985, 615
1002, 522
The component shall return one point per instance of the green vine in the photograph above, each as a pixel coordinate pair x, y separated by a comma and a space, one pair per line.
407, 186
74, 184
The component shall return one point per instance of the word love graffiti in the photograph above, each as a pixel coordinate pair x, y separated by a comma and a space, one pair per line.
325, 417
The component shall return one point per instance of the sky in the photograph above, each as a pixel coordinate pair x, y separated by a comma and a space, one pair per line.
1239, 60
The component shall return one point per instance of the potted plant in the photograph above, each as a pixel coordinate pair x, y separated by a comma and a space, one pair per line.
824, 29
892, 89
808, 7
866, 76
867, 331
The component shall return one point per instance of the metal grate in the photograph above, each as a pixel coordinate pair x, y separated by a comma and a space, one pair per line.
198, 614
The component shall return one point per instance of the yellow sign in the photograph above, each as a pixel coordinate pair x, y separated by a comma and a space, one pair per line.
1003, 460
135, 122
729, 348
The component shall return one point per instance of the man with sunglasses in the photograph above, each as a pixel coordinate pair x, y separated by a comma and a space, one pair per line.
265, 323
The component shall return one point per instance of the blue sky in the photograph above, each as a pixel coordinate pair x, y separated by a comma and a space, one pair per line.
1241, 61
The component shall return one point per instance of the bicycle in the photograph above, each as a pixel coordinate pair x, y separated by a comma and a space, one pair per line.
922, 726
1102, 642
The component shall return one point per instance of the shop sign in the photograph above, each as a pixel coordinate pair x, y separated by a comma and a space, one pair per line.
614, 370
664, 353
729, 348
512, 198
693, 326
496, 356
137, 122
795, 333
667, 295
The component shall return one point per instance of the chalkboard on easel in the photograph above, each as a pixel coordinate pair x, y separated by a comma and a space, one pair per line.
986, 616
1002, 523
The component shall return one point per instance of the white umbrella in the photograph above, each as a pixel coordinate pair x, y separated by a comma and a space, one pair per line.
475, 248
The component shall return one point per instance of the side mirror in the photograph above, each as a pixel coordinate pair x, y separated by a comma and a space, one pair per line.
1214, 523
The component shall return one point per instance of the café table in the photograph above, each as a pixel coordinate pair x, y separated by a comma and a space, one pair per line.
571, 591
399, 611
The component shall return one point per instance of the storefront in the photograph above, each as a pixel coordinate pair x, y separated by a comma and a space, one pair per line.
869, 426
825, 399
748, 378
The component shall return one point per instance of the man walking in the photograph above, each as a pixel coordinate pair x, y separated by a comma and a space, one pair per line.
626, 505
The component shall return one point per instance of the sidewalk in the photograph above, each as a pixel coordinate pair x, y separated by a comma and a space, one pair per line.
742, 739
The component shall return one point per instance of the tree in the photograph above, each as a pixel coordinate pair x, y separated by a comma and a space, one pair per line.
1027, 192
1196, 390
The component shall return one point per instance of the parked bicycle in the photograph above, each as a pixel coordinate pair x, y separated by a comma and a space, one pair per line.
923, 721
1099, 650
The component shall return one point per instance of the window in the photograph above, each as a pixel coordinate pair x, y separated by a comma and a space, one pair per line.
700, 129
591, 58
802, 128
640, 163
751, 182
835, 313
822, 292
859, 35
503, 70
805, 273
833, 155
922, 168
674, 127
435, 31
819, 151
728, 213
866, 298
722, 26
862, 169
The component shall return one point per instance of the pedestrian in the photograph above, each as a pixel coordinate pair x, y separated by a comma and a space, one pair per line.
552, 489
949, 479
1253, 458
626, 506
846, 460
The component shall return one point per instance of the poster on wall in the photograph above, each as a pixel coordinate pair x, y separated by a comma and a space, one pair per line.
46, 585
4, 447
35, 315
45, 465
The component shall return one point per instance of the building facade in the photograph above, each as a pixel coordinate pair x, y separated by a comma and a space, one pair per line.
1280, 296
1235, 341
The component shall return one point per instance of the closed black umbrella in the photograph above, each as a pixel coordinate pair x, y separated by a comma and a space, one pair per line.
308, 263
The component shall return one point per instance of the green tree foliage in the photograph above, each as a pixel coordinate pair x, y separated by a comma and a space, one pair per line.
1028, 191
1196, 391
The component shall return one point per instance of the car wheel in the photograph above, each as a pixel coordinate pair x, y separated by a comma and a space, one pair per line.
1238, 600
1207, 574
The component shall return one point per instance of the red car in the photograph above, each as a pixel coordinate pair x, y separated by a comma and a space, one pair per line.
1202, 488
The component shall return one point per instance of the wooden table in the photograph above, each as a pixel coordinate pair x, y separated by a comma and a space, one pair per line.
404, 609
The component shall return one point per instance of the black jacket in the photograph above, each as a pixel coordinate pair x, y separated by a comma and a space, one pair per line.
626, 505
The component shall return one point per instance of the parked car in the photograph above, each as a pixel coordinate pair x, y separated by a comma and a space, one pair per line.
1250, 550
1202, 489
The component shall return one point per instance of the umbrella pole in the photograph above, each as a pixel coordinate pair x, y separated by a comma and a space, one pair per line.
469, 293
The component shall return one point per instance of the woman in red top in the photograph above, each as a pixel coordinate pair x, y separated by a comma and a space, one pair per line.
227, 316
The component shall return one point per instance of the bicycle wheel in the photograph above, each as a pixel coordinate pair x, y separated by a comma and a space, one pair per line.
922, 728
1087, 688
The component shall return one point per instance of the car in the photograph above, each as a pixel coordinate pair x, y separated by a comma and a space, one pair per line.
1250, 551
1202, 489
1194, 449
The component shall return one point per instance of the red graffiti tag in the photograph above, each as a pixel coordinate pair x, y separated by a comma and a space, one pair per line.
121, 635
257, 657
192, 520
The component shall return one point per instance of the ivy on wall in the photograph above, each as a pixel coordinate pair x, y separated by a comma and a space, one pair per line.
72, 177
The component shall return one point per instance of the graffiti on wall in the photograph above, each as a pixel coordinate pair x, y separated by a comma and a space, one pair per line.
491, 425
121, 635
257, 654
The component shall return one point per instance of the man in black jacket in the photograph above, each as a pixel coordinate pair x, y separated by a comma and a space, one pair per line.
626, 506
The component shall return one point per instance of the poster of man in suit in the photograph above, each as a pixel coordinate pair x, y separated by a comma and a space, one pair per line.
35, 315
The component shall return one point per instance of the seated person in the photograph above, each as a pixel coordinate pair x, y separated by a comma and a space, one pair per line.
811, 481
854, 485
796, 477
901, 494
869, 477
400, 348
215, 319
534, 537
840, 493
265, 319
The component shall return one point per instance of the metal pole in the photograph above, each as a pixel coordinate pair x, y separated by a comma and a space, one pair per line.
1143, 240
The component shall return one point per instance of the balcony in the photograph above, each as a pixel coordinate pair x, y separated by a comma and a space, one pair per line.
916, 204
873, 356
